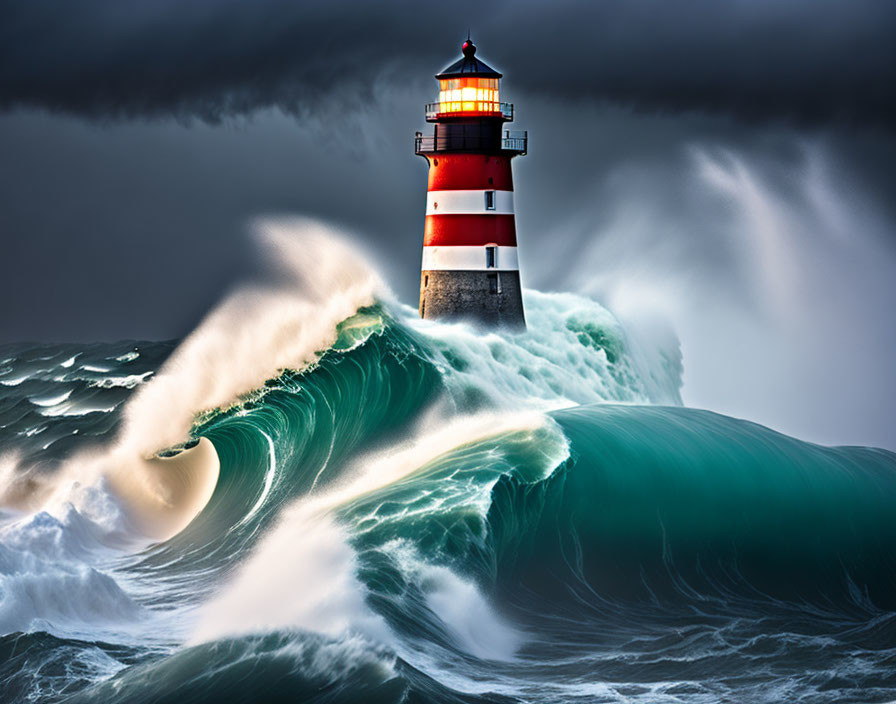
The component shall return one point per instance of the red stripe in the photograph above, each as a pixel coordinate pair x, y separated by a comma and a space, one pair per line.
459, 172
467, 230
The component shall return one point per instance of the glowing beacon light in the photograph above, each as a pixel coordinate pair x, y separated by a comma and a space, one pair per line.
470, 264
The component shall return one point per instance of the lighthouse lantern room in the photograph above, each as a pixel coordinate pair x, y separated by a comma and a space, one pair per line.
470, 265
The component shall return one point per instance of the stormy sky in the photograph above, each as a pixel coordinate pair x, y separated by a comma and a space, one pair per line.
723, 168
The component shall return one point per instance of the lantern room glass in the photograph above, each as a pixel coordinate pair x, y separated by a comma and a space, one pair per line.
469, 95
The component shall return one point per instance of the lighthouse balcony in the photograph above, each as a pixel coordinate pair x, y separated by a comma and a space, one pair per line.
512, 143
468, 108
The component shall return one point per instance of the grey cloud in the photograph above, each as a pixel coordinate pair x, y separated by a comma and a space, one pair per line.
811, 62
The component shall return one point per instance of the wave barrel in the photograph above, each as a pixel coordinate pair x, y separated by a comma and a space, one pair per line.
470, 266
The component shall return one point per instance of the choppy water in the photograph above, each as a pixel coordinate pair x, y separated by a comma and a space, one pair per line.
430, 513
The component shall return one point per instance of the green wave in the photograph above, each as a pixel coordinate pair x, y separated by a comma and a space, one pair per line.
594, 530
669, 503
643, 504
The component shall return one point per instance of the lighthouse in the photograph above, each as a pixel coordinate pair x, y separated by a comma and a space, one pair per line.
470, 264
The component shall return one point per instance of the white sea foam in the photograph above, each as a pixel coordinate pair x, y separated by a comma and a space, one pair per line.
126, 382
575, 351
460, 606
46, 575
301, 576
465, 612
70, 361
60, 598
434, 436
47, 582
316, 588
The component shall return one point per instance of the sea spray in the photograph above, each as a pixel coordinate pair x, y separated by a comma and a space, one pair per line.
302, 576
575, 352
255, 333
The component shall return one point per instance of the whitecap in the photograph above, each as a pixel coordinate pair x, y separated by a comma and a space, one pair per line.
126, 382
51, 400
128, 357
15, 381
73, 408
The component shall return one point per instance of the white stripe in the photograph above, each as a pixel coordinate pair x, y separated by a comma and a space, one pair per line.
468, 258
467, 203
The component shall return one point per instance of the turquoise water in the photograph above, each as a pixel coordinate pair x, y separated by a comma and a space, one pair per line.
429, 513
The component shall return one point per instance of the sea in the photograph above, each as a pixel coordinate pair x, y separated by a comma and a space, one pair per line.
317, 497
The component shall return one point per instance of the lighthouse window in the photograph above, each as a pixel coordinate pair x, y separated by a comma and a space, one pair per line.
493, 283
489, 200
491, 255
469, 95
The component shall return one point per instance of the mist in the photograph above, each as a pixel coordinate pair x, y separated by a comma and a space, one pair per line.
772, 267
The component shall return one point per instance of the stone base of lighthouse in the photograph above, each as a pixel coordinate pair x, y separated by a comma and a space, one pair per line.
488, 297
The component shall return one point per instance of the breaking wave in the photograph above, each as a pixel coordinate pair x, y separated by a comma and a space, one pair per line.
317, 496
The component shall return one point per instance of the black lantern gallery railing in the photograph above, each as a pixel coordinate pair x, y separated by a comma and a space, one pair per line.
514, 142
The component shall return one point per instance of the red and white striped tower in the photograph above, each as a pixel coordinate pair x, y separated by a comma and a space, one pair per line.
470, 264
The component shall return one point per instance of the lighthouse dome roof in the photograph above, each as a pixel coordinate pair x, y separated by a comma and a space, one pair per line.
469, 65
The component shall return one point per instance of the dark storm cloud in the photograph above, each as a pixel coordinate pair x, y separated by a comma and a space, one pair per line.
809, 61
